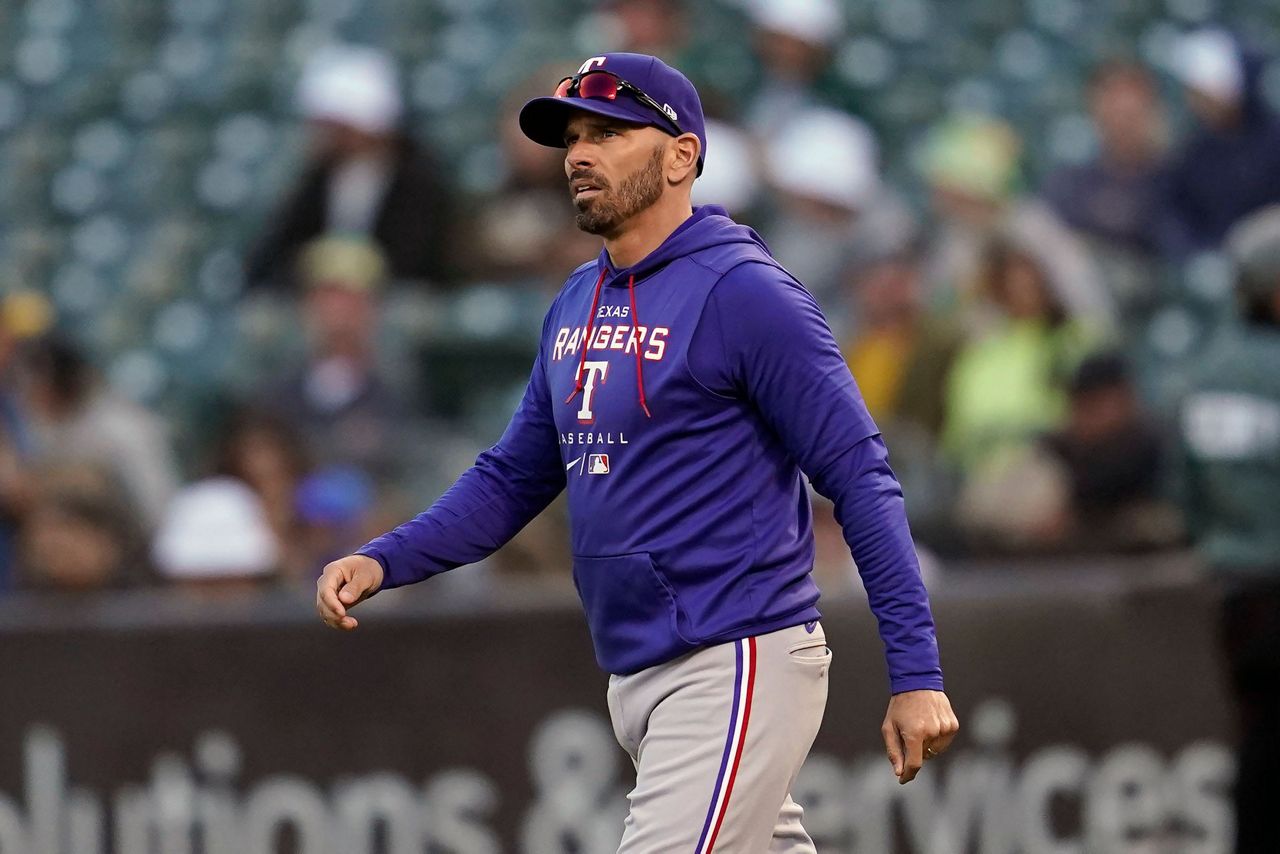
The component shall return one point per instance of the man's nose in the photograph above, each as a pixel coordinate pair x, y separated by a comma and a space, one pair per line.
580, 155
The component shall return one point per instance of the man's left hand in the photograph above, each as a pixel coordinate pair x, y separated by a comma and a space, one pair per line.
918, 726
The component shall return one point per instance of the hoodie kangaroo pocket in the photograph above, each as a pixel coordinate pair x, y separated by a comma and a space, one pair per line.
632, 611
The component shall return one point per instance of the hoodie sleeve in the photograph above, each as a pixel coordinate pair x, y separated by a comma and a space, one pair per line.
508, 486
762, 336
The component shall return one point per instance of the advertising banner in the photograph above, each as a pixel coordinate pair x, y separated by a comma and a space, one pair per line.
1091, 722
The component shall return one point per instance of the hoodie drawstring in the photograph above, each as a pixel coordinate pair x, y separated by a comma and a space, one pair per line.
635, 325
586, 342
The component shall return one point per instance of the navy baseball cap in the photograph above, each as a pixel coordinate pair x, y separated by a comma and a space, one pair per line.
675, 101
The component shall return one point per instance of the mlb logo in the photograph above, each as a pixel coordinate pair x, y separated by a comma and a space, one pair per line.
598, 464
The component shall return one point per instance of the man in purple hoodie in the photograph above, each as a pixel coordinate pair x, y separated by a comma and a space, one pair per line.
684, 382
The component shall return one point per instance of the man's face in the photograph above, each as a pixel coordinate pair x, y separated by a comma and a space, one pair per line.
1022, 289
1126, 110
342, 141
340, 318
790, 58
615, 169
888, 292
1102, 412
1218, 113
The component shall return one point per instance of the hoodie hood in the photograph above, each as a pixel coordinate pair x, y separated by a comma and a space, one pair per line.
708, 227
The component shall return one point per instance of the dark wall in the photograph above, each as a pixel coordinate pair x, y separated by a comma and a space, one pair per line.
1093, 720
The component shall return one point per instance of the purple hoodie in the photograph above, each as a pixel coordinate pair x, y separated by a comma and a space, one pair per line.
679, 401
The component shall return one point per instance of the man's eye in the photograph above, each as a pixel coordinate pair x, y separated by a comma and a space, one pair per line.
608, 132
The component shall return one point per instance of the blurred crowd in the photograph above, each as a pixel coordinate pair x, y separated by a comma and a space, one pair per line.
1021, 336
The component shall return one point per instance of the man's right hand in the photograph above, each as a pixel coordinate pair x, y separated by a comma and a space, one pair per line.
344, 584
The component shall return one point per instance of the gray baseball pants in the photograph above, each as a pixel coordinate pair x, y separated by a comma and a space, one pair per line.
717, 737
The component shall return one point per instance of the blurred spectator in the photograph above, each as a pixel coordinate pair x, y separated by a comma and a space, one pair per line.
77, 418
1114, 459
334, 508
686, 35
794, 40
1008, 383
1231, 164
1230, 431
216, 537
78, 533
345, 400
524, 231
364, 175
974, 176
23, 315
899, 353
1019, 501
656, 27
262, 451
833, 211
731, 178
1116, 196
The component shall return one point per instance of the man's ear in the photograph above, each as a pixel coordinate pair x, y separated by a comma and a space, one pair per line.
682, 161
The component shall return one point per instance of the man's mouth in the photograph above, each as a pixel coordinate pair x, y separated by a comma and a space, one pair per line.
583, 190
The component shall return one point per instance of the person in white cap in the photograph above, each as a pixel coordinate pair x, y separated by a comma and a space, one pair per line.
833, 211
793, 42
365, 176
215, 533
1230, 166
732, 179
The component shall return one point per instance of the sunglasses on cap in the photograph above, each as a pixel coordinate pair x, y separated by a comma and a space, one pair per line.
607, 85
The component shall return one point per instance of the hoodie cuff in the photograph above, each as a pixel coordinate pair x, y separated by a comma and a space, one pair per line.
388, 581
925, 682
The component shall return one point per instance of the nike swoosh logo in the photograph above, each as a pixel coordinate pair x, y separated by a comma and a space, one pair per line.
572, 464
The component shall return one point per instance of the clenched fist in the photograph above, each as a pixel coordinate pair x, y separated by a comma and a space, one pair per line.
344, 584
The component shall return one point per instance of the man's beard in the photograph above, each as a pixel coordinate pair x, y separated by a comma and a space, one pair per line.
637, 192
